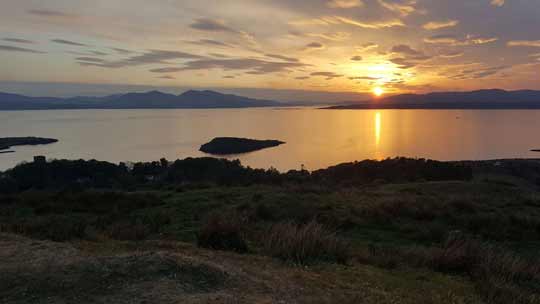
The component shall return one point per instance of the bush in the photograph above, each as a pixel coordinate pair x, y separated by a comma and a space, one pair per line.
222, 232
303, 244
129, 231
155, 220
56, 228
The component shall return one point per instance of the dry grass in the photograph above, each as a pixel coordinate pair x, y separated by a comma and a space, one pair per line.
47, 272
171, 272
302, 244
499, 275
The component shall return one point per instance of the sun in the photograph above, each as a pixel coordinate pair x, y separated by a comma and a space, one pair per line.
378, 91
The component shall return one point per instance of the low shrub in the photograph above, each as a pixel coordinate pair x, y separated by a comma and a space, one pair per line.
56, 228
128, 231
302, 244
223, 232
155, 220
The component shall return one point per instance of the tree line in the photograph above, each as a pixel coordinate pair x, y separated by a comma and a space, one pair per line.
60, 174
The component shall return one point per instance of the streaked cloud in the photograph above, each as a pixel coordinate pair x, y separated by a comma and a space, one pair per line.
284, 58
336, 20
90, 59
338, 36
452, 54
455, 41
406, 50
478, 72
251, 65
150, 57
68, 42
51, 13
211, 25
526, 43
88, 53
436, 25
19, 40
408, 57
344, 3
367, 46
122, 51
327, 75
370, 25
404, 8
211, 42
363, 78
356, 58
8, 48
314, 46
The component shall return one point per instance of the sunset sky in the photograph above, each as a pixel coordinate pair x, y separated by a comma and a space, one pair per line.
317, 45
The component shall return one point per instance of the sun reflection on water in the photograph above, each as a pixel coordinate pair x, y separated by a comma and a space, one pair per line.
377, 129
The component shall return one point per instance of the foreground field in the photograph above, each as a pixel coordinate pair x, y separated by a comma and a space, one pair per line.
174, 272
300, 237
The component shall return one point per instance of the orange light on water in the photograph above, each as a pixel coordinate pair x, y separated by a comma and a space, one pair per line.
377, 129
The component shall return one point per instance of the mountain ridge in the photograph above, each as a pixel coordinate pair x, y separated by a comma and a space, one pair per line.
192, 99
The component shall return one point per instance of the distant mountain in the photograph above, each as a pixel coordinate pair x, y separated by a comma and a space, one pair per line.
482, 99
153, 99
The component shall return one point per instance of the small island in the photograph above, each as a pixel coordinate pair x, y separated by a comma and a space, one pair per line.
234, 145
8, 142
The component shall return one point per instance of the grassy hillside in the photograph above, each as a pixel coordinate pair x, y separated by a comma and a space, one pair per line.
352, 234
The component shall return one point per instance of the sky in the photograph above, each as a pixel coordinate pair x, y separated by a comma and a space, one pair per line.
322, 48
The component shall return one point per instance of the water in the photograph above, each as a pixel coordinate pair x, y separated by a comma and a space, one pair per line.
315, 138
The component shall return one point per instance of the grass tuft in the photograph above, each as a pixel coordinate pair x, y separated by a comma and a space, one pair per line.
302, 244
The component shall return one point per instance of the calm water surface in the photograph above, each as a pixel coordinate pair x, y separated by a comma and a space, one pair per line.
315, 138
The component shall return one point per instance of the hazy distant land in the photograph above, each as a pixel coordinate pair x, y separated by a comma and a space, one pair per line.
482, 99
148, 100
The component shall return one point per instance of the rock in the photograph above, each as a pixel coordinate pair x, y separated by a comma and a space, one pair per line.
234, 145
8, 142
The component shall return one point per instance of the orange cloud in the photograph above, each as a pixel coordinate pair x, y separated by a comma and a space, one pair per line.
454, 41
498, 3
344, 3
333, 20
530, 43
370, 25
402, 9
435, 25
